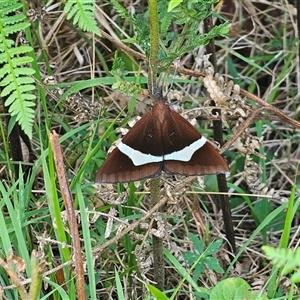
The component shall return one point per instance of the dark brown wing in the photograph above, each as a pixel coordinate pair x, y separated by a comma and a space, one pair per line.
206, 160
119, 168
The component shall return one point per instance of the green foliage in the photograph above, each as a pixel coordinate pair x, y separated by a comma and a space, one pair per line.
189, 38
235, 289
186, 15
16, 83
173, 4
185, 274
87, 243
287, 259
157, 293
119, 72
122, 12
82, 12
203, 258
119, 287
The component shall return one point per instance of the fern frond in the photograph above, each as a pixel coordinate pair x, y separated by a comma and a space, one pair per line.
279, 256
16, 84
9, 7
82, 12
121, 11
287, 259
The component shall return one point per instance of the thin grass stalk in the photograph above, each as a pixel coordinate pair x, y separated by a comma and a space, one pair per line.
284, 241
90, 262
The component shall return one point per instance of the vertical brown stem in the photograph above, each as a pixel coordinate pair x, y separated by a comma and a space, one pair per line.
158, 257
218, 136
68, 201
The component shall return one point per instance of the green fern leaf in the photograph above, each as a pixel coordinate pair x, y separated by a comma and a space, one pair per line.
10, 7
9, 78
24, 112
16, 78
166, 22
11, 87
292, 263
279, 256
20, 50
14, 52
72, 12
12, 19
82, 12
286, 259
9, 44
121, 11
18, 96
15, 28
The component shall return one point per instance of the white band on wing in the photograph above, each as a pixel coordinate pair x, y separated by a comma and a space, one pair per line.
138, 158
187, 152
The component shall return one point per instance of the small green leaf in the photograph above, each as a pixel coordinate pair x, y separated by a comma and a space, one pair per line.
157, 293
173, 4
231, 288
190, 257
198, 243
199, 269
214, 247
213, 264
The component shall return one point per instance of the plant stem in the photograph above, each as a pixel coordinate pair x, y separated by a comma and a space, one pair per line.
154, 45
218, 136
37, 269
158, 257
